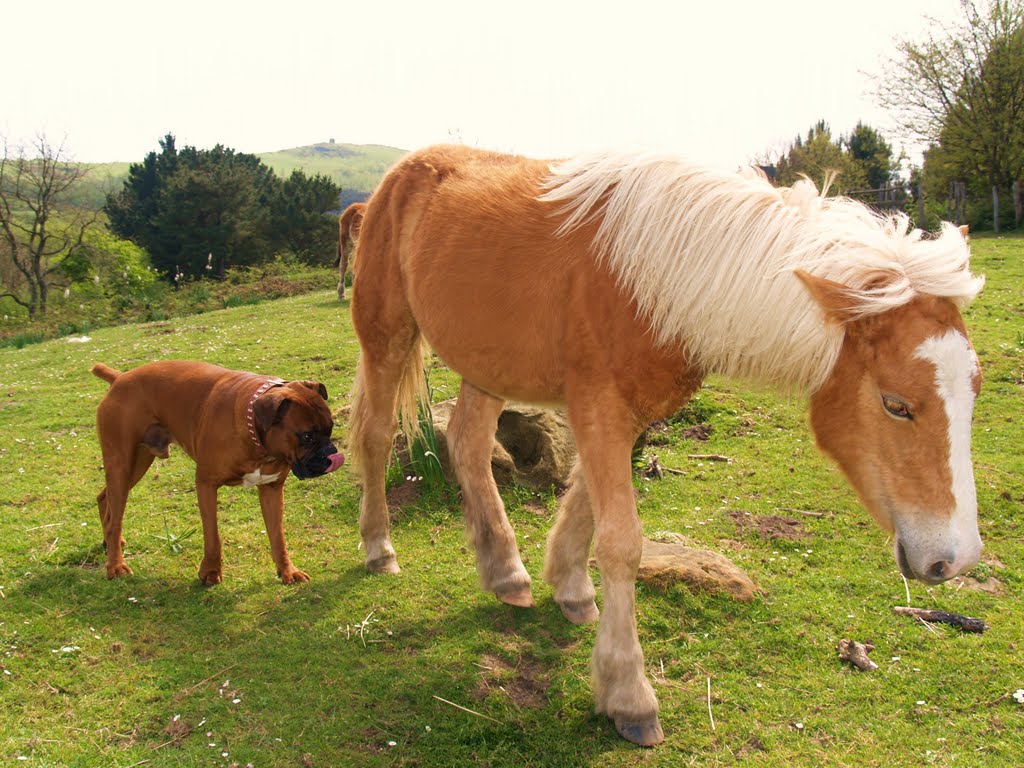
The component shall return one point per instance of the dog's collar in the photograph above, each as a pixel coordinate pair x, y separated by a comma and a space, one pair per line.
250, 416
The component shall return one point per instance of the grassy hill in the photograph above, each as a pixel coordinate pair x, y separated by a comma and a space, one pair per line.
352, 166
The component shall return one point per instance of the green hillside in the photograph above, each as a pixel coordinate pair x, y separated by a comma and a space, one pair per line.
352, 166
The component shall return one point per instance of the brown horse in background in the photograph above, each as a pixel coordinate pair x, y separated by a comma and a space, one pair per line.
613, 284
348, 235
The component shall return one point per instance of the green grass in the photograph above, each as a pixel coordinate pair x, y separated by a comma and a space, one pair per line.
345, 670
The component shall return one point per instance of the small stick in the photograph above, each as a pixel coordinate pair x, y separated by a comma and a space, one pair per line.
465, 709
800, 512
709, 457
187, 691
857, 654
966, 623
710, 715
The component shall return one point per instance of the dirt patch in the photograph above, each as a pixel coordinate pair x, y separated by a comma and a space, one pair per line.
771, 527
525, 683
698, 432
991, 585
178, 730
404, 495
753, 746
538, 509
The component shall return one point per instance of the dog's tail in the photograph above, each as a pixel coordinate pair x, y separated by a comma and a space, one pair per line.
105, 372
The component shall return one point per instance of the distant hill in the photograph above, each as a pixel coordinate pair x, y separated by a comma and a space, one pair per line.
351, 166
356, 168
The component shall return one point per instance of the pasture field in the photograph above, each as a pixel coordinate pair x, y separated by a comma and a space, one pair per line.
359, 670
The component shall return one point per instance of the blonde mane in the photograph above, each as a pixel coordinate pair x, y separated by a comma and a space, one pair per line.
709, 257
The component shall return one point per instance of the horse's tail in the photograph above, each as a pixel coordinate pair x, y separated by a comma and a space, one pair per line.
412, 391
105, 372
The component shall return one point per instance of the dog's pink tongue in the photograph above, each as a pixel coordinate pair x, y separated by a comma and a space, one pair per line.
336, 459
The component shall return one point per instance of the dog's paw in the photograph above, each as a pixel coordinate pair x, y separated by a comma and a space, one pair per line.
294, 576
118, 569
210, 577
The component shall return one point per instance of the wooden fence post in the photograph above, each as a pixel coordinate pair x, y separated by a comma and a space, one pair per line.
920, 206
995, 209
1018, 204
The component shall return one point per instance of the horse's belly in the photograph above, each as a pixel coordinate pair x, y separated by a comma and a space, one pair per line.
502, 330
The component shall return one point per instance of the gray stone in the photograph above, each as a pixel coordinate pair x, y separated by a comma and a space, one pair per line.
533, 446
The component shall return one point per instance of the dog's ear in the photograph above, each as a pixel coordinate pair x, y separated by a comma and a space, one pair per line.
316, 386
270, 408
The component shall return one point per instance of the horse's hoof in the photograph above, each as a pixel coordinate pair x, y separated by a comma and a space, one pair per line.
580, 611
646, 733
386, 564
522, 598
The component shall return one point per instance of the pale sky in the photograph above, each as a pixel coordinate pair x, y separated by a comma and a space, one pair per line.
719, 81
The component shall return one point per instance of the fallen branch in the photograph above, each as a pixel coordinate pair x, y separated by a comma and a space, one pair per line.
857, 654
966, 623
656, 469
709, 457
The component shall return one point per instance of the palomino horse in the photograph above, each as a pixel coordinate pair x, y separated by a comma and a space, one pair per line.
613, 284
348, 235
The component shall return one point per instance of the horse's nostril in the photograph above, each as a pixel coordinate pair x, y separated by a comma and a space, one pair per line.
941, 570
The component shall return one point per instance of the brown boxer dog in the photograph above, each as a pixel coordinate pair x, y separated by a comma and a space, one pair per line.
239, 428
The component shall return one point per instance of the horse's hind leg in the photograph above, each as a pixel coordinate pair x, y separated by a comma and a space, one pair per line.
568, 550
471, 438
373, 424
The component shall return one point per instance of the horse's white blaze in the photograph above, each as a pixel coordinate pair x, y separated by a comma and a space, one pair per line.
956, 366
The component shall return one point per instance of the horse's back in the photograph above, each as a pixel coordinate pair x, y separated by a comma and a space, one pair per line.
459, 237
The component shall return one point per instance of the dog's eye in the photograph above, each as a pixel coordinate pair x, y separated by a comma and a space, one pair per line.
897, 408
307, 438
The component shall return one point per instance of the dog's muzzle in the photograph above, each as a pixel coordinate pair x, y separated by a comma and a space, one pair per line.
320, 461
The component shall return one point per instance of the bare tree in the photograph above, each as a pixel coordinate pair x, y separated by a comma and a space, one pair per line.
39, 229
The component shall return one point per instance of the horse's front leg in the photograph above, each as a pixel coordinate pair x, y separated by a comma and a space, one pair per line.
621, 688
471, 440
565, 565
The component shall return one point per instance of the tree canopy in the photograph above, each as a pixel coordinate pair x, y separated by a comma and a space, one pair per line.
859, 161
199, 212
961, 91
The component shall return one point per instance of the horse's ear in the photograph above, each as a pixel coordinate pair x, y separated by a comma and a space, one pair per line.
965, 232
839, 303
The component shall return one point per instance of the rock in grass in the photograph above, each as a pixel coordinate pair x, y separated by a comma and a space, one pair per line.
533, 446
664, 563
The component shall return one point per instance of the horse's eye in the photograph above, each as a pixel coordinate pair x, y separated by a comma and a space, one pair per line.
897, 408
